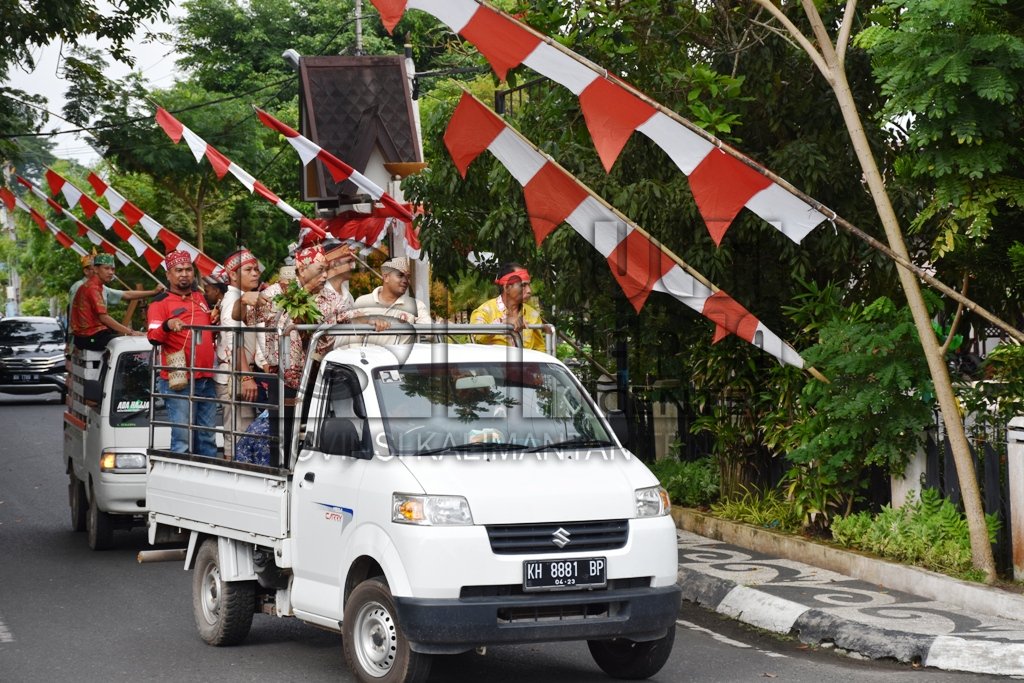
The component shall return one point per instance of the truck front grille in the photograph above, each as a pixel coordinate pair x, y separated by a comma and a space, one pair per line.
513, 539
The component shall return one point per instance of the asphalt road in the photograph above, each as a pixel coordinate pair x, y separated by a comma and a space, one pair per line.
70, 614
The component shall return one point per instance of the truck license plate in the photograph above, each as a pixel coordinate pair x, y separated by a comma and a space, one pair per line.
553, 575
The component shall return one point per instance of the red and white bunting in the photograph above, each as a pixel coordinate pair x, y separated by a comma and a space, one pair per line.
75, 197
176, 130
86, 231
134, 215
721, 182
11, 201
638, 263
340, 172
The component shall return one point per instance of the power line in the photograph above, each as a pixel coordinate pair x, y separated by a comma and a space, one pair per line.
89, 129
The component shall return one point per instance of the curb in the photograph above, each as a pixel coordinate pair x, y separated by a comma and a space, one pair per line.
769, 612
889, 575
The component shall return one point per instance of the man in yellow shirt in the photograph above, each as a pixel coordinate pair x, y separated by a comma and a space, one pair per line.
510, 308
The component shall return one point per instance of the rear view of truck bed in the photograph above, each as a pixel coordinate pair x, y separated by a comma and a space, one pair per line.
203, 494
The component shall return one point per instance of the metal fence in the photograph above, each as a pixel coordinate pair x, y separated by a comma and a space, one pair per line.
988, 450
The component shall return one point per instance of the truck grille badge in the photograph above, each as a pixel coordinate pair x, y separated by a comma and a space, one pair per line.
560, 537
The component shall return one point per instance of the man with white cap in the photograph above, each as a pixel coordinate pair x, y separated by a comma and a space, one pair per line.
390, 301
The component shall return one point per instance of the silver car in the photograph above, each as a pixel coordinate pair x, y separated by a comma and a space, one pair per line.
32, 356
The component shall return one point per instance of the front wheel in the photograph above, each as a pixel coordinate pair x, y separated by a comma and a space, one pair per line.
630, 659
375, 647
76, 499
222, 609
99, 527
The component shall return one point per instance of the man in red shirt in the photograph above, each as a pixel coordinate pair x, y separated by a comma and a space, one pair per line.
172, 316
91, 325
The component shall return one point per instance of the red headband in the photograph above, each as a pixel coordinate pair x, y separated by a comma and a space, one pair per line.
238, 259
310, 255
519, 275
178, 258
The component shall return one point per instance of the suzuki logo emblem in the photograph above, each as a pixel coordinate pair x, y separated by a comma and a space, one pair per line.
560, 537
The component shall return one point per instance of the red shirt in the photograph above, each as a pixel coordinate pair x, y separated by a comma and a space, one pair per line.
190, 309
89, 304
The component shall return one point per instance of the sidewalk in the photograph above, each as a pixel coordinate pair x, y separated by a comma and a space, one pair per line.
821, 606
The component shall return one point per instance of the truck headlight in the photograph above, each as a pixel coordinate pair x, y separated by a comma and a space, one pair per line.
407, 508
652, 502
111, 461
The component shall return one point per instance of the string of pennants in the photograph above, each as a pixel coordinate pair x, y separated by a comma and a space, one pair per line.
12, 201
722, 180
75, 197
307, 150
638, 262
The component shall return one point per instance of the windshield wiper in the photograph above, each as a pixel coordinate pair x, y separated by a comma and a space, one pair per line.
577, 442
484, 446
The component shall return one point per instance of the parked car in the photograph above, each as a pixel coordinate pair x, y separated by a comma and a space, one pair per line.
32, 356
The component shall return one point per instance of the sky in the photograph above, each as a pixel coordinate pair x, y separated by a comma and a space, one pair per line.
154, 60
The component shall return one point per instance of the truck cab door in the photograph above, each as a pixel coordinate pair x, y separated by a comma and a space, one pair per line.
325, 503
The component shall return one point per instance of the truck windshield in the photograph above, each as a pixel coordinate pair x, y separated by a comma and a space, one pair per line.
438, 409
129, 402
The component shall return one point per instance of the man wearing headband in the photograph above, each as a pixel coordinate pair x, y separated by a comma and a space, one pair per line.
112, 297
91, 325
169, 315
243, 273
311, 273
510, 308
340, 266
391, 301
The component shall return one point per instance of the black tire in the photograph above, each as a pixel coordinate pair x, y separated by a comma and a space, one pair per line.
76, 499
99, 527
375, 647
629, 659
222, 609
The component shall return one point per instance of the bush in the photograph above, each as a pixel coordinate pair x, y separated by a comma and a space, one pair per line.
929, 532
768, 509
692, 484
873, 410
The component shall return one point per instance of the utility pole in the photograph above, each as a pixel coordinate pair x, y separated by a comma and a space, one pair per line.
359, 26
12, 298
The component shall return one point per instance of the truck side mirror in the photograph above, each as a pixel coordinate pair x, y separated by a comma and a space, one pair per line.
92, 392
339, 436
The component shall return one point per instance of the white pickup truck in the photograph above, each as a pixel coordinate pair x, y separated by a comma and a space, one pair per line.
106, 434
457, 497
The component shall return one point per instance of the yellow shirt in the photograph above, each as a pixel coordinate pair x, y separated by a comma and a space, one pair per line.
493, 311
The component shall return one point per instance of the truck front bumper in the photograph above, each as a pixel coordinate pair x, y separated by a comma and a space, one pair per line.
443, 626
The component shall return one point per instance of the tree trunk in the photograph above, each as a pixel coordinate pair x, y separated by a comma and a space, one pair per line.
829, 60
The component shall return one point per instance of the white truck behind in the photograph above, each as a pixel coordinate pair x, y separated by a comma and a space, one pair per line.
457, 497
106, 434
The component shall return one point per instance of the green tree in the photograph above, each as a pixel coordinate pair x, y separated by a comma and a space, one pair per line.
25, 26
952, 75
830, 60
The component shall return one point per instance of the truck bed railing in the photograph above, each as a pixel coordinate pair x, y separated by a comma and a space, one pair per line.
287, 412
